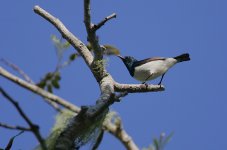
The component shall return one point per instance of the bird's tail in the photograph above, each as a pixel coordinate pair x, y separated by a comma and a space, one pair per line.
183, 57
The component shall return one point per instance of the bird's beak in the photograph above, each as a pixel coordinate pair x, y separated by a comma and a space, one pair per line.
120, 56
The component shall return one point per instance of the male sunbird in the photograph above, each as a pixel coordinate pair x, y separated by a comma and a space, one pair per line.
151, 68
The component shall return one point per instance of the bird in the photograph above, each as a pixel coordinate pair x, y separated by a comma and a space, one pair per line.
151, 68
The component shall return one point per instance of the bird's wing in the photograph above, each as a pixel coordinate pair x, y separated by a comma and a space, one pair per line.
141, 62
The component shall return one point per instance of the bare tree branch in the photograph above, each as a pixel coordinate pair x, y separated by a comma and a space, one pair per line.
118, 131
4, 125
92, 37
105, 80
38, 90
100, 24
87, 14
137, 88
74, 41
33, 127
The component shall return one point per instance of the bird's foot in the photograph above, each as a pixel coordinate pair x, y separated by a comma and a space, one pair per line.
160, 85
144, 83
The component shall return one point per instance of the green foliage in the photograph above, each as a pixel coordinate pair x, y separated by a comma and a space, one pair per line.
62, 119
61, 46
61, 122
107, 49
99, 64
110, 50
72, 57
51, 80
160, 143
89, 135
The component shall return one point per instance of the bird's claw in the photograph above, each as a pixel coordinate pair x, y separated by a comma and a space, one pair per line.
144, 83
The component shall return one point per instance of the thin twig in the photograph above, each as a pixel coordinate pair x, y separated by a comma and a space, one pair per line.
16, 68
39, 91
34, 128
4, 125
53, 104
29, 80
101, 23
10, 143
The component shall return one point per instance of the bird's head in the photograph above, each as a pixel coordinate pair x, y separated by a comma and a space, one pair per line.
128, 61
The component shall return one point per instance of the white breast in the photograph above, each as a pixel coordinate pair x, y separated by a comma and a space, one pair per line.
153, 69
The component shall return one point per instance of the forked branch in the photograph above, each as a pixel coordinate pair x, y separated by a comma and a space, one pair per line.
100, 24
33, 127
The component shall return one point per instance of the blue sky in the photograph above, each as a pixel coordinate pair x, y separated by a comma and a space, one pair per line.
194, 103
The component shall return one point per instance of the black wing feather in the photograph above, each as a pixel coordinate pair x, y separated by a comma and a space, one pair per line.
141, 62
